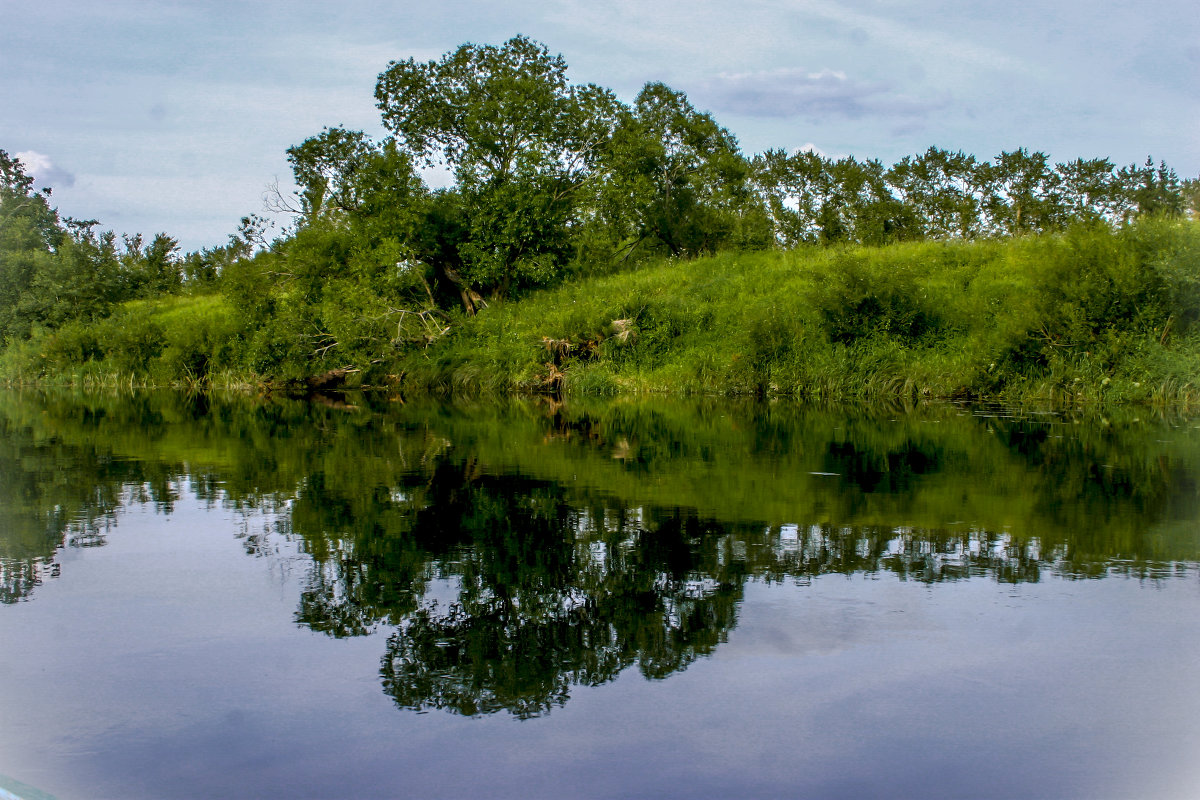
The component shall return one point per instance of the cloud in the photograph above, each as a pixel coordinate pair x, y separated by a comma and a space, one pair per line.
45, 171
794, 92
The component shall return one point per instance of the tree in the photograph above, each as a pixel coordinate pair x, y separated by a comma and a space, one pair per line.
816, 199
326, 168
1023, 193
674, 176
1150, 190
1190, 191
860, 207
30, 233
56, 270
943, 191
1090, 191
153, 269
352, 281
520, 140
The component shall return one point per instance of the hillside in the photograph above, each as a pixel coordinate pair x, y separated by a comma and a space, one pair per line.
1091, 314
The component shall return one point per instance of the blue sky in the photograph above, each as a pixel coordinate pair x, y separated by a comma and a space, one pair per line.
173, 116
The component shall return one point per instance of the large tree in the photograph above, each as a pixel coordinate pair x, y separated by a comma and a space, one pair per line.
351, 283
675, 177
29, 234
943, 190
521, 141
813, 199
1024, 194
1150, 190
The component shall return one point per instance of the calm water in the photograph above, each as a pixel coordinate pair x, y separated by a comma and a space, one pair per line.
213, 597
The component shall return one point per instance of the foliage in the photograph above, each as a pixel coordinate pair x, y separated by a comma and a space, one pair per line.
556, 185
53, 271
29, 234
575, 541
673, 176
951, 195
520, 140
1085, 315
183, 340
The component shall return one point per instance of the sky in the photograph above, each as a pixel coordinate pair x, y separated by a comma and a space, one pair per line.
175, 116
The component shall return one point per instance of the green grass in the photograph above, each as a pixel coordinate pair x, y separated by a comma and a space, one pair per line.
188, 341
1086, 316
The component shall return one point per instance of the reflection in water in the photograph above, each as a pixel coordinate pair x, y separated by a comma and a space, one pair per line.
580, 541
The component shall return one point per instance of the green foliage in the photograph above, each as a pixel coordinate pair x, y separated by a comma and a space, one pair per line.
517, 234
1152, 191
29, 234
1085, 315
152, 270
198, 338
557, 182
191, 340
942, 190
54, 272
951, 195
327, 167
860, 301
675, 179
520, 140
1023, 193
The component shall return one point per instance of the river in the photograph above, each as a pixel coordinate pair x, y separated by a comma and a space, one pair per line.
219, 596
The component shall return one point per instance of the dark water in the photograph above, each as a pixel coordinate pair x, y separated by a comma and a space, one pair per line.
214, 597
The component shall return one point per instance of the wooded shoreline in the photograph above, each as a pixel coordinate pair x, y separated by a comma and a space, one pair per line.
1092, 315
590, 246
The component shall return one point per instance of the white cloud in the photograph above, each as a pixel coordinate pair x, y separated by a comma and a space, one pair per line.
810, 147
45, 171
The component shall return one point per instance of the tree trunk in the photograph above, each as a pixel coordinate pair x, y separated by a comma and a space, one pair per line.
472, 301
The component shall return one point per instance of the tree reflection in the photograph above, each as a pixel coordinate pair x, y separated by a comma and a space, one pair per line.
548, 594
512, 552
56, 494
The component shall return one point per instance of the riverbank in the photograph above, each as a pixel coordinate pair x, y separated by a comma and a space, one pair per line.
1091, 315
1087, 316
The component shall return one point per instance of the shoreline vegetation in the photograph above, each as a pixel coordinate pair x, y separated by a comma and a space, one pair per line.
1089, 315
588, 246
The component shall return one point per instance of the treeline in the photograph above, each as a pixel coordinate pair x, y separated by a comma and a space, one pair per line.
951, 195
55, 270
551, 181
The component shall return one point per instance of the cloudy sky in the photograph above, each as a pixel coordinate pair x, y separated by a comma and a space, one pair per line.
174, 116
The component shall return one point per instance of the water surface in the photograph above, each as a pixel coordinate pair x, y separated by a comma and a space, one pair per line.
208, 596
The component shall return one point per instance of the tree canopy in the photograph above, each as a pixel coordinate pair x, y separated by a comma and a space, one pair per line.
549, 179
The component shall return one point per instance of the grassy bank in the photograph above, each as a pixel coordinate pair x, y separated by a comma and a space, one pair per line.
1089, 315
181, 341
1086, 316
